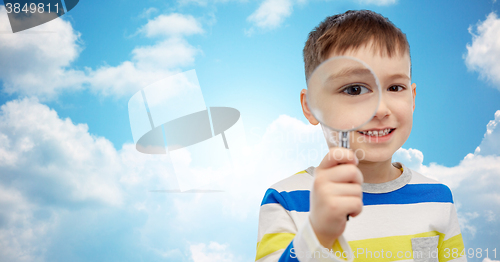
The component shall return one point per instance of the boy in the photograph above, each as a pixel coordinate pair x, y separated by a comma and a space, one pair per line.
405, 216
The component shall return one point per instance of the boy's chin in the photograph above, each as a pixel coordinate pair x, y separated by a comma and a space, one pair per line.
374, 155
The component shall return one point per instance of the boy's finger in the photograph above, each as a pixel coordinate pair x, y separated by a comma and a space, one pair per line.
345, 173
338, 155
346, 189
351, 205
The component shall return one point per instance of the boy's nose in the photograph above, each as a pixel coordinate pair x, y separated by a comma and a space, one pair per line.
382, 110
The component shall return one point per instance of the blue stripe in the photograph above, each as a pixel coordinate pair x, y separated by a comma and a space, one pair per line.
295, 200
270, 197
409, 194
289, 255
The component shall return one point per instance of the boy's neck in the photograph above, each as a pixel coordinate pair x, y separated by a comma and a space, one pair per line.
378, 172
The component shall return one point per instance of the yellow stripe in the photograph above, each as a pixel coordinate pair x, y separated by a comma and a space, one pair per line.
271, 243
336, 246
451, 248
301, 172
396, 247
337, 250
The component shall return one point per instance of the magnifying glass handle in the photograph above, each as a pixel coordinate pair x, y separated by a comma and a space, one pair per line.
344, 142
344, 139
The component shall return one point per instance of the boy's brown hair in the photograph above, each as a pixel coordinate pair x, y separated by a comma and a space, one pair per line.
352, 29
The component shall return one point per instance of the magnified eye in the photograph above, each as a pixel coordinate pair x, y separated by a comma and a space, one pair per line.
355, 90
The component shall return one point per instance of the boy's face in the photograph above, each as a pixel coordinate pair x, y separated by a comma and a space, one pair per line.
395, 111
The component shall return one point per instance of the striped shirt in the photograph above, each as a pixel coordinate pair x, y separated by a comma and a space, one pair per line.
411, 218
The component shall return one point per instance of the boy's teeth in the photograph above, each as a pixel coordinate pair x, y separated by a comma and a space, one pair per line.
376, 133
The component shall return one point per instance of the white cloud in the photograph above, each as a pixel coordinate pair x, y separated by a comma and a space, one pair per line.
467, 225
490, 216
205, 2
171, 53
491, 141
40, 148
484, 52
122, 80
153, 62
19, 231
172, 25
412, 158
196, 2
34, 63
56, 175
213, 252
489, 260
39, 64
271, 13
378, 2
147, 12
149, 64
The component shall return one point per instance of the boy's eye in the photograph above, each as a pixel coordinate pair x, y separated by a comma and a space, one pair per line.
355, 90
395, 88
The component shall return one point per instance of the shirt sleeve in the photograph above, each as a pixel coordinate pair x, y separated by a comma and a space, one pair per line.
451, 246
280, 239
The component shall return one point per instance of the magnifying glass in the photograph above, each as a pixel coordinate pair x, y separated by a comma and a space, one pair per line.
343, 95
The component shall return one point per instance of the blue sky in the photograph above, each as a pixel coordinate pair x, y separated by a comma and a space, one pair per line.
75, 189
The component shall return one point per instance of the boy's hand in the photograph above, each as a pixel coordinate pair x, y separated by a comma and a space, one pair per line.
336, 193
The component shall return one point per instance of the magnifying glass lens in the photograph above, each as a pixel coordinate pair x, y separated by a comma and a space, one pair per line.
343, 93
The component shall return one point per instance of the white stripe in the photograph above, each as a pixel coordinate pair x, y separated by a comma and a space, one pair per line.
454, 228
308, 248
302, 181
273, 257
391, 220
418, 178
384, 220
273, 218
299, 217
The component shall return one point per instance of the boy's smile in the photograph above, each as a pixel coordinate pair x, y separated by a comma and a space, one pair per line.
377, 135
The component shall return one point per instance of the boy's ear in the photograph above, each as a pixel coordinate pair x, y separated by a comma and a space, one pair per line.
305, 108
414, 93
